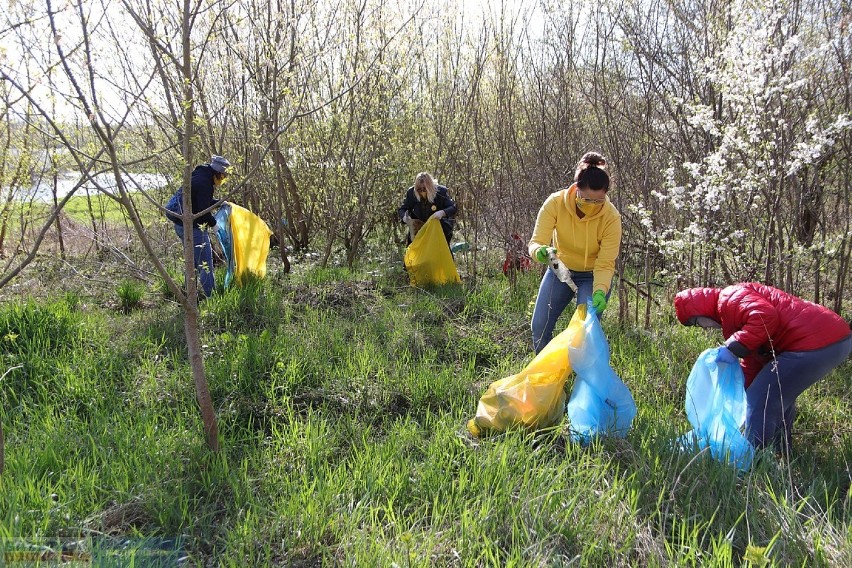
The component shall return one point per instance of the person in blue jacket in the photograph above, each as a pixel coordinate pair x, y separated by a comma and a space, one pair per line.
426, 199
205, 179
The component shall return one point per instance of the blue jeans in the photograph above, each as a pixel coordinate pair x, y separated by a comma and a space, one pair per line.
772, 395
553, 297
203, 253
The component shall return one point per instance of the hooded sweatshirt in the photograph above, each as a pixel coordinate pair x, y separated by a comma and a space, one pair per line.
590, 244
202, 187
758, 320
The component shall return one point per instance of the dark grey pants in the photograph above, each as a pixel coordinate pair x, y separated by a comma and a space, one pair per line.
772, 395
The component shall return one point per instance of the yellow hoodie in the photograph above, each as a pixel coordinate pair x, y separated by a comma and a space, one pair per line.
590, 244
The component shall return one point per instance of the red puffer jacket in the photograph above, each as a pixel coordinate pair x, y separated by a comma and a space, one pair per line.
757, 319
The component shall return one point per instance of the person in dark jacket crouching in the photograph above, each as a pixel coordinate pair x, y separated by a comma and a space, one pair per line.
427, 199
785, 345
205, 178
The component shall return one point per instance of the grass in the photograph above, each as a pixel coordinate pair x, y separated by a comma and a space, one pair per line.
105, 209
130, 293
342, 401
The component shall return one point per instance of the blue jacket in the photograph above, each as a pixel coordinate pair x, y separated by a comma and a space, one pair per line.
422, 209
202, 197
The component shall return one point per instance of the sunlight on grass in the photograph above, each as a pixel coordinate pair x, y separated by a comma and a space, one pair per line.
342, 403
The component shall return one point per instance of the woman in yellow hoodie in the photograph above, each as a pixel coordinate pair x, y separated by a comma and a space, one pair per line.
581, 228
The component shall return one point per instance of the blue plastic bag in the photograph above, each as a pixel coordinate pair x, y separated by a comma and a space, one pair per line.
716, 408
223, 231
600, 404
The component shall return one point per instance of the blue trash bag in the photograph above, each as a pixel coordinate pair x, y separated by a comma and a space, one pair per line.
223, 232
600, 404
716, 408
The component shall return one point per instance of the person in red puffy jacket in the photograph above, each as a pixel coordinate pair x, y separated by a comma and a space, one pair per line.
785, 345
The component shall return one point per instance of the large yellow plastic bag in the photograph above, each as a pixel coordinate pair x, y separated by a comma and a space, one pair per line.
716, 408
535, 397
251, 241
428, 259
245, 241
600, 403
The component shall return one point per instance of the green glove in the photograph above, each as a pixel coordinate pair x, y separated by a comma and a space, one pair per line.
543, 253
599, 301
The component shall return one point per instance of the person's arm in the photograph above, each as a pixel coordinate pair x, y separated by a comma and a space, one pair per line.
545, 223
407, 206
447, 205
755, 318
609, 248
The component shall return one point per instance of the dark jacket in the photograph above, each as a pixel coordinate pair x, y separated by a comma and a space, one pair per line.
422, 209
202, 197
757, 319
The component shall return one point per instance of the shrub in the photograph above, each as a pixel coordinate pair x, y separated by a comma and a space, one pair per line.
130, 293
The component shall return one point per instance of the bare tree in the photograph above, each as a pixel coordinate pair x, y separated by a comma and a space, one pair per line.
723, 121
81, 74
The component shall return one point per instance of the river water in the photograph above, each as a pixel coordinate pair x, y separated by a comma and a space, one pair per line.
65, 183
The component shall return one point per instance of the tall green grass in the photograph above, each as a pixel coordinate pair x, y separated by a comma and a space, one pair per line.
130, 294
342, 400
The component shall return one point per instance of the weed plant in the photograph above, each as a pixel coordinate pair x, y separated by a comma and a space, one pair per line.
130, 293
342, 400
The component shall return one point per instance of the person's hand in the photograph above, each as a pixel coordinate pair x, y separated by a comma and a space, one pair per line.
724, 355
599, 301
439, 214
543, 254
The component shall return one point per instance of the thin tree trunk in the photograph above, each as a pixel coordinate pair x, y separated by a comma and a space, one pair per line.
817, 277
202, 391
93, 219
4, 217
58, 221
648, 277
190, 306
843, 269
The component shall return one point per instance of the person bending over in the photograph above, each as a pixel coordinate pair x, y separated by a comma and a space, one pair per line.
205, 179
424, 200
783, 343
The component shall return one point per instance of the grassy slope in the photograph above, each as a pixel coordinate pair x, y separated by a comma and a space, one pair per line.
342, 401
80, 208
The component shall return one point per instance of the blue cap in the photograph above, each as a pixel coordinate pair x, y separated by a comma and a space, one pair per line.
219, 164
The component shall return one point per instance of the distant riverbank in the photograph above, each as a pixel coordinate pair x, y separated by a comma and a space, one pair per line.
45, 188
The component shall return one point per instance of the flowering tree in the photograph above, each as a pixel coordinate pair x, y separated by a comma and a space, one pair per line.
759, 203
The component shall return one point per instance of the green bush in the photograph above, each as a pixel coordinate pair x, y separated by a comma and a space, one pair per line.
40, 329
130, 293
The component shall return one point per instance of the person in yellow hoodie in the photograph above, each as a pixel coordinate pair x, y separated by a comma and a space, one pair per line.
581, 227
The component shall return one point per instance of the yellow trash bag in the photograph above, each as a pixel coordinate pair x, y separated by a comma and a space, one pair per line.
250, 240
428, 259
535, 397
245, 241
